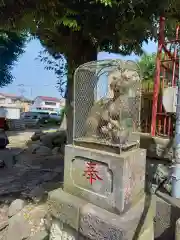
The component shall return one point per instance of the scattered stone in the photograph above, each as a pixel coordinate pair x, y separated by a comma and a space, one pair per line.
46, 140
58, 232
24, 157
43, 151
50, 186
16, 206
27, 224
2, 164
3, 225
7, 155
56, 150
42, 235
3, 234
33, 148
38, 194
18, 228
60, 138
38, 142
55, 162
29, 143
48, 221
57, 142
40, 164
6, 201
62, 149
3, 139
43, 143
37, 213
3, 217
54, 139
36, 136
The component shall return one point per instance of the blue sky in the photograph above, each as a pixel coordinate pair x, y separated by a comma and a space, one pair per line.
37, 80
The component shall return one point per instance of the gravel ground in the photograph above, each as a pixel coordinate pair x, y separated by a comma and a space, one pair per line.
21, 177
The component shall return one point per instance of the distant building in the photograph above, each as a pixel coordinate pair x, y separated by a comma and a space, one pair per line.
14, 105
43, 103
12, 100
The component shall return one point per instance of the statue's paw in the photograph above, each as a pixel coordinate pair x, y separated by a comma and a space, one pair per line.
120, 137
104, 131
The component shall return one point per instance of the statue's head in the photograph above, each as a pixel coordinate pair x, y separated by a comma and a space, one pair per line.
121, 80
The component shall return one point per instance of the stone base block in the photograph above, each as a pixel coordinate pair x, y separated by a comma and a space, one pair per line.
167, 214
148, 233
112, 181
157, 147
65, 207
60, 231
87, 221
177, 230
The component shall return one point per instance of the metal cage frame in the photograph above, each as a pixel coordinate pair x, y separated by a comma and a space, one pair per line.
99, 68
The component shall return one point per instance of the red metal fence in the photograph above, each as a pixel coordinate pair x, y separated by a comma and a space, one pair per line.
167, 64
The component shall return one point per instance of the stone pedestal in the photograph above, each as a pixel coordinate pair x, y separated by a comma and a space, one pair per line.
109, 206
118, 181
77, 219
177, 230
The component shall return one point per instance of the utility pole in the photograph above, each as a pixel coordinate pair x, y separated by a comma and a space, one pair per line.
22, 91
176, 167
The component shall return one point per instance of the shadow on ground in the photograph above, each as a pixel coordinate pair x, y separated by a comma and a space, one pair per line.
28, 173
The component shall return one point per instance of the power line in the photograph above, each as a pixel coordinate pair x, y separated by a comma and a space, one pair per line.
31, 87
45, 85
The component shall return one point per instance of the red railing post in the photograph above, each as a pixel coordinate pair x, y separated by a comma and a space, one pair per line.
157, 75
175, 58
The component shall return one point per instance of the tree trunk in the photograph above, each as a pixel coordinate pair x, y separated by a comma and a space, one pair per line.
84, 54
69, 108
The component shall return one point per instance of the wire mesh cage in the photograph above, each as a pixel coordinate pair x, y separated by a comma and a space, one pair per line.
107, 100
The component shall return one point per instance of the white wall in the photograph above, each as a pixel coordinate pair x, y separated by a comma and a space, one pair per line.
51, 106
12, 113
38, 103
2, 99
6, 100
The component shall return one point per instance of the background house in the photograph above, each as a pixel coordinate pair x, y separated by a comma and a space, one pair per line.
14, 105
43, 103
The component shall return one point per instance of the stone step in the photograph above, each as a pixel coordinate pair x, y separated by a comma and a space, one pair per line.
77, 219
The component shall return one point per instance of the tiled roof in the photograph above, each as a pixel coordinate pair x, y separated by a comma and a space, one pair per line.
9, 95
13, 96
50, 99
